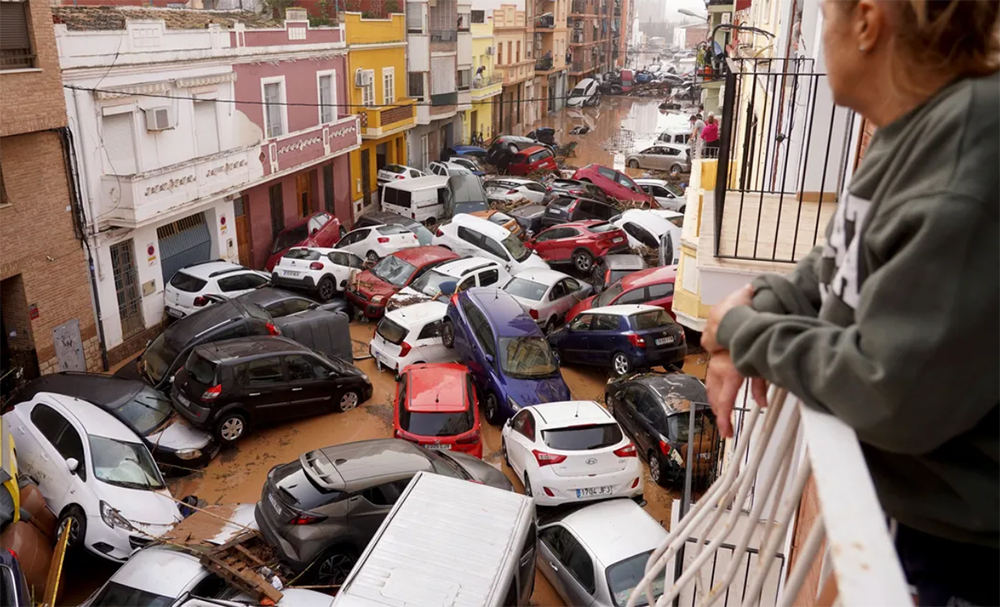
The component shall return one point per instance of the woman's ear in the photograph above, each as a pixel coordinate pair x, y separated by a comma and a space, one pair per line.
869, 21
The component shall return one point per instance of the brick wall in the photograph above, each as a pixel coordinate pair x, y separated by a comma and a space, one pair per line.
32, 100
38, 244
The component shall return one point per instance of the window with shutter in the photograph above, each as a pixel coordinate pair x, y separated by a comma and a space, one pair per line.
388, 85
206, 127
368, 91
15, 39
119, 142
273, 114
326, 99
442, 75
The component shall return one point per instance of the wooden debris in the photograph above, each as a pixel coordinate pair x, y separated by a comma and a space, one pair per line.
239, 561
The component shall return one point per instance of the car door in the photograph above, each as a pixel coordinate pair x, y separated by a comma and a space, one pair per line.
310, 386
546, 244
629, 187
344, 264
265, 391
428, 345
576, 339
469, 241
571, 290
661, 295
521, 440
493, 249
474, 354
367, 508
648, 414
488, 277
625, 412
602, 342
355, 242
571, 564
55, 440
584, 210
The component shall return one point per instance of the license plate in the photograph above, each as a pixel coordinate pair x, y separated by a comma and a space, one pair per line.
274, 502
183, 400
617, 240
174, 313
664, 340
291, 273
594, 491
552, 212
444, 447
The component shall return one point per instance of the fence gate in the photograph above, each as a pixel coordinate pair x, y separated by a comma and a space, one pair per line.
183, 242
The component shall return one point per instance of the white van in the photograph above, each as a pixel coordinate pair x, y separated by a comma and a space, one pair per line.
423, 198
448, 542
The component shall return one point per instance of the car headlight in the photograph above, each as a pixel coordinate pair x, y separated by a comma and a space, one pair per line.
188, 453
364, 376
112, 518
377, 298
513, 405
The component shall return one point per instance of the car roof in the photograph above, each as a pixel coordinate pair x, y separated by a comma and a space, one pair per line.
583, 223
466, 148
650, 276
615, 530
387, 218
247, 347
624, 261
463, 265
510, 179
501, 306
571, 413
584, 82
623, 310
427, 385
653, 221
160, 570
210, 269
541, 275
528, 209
185, 329
268, 295
349, 466
481, 225
676, 391
650, 181
421, 256
533, 149
106, 391
418, 183
418, 313
95, 420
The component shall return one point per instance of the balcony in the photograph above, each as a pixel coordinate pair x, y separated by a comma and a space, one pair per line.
380, 122
544, 64
584, 7
581, 67
517, 72
446, 36
486, 87
133, 201
508, 19
546, 21
444, 99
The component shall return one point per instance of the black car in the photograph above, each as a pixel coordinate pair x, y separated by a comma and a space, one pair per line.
544, 134
574, 187
378, 218
529, 217
230, 386
653, 409
280, 303
503, 148
145, 410
14, 587
568, 208
610, 268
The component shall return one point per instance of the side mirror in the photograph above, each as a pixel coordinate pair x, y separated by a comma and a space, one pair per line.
72, 464
448, 288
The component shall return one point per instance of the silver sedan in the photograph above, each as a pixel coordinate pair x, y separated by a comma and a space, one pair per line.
661, 157
547, 295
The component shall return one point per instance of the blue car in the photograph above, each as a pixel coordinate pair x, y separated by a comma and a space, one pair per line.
464, 151
510, 361
623, 338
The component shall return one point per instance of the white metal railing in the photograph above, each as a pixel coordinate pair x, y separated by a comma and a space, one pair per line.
755, 500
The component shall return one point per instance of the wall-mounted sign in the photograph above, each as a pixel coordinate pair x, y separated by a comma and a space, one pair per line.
33, 311
222, 224
151, 254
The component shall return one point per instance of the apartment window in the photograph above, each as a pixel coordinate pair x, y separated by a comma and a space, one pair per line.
274, 109
443, 71
368, 91
415, 85
479, 16
276, 197
327, 98
464, 79
425, 151
415, 17
15, 39
510, 49
388, 85
118, 139
519, 51
463, 21
127, 288
206, 124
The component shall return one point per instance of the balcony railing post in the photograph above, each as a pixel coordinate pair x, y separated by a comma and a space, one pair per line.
725, 146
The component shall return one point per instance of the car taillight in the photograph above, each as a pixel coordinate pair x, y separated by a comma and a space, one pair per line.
626, 451
400, 177
212, 393
636, 340
383, 240
439, 233
200, 301
316, 265
548, 189
664, 447
306, 518
469, 439
404, 349
607, 277
635, 483
512, 191
572, 206
272, 330
547, 459
533, 313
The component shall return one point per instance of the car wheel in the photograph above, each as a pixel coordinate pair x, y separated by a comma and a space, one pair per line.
551, 326
491, 408
583, 261
334, 567
527, 485
633, 164
503, 452
371, 256
326, 289
348, 400
655, 472
675, 170
620, 363
448, 334
78, 531
231, 428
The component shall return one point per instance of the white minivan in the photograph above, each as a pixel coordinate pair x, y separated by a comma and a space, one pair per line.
448, 542
423, 198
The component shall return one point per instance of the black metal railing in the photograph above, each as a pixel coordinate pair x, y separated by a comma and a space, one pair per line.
543, 64
444, 35
444, 99
782, 158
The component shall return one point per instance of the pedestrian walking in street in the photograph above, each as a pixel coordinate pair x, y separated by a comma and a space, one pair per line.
893, 325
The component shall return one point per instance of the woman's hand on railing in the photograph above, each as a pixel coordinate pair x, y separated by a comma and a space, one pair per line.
742, 297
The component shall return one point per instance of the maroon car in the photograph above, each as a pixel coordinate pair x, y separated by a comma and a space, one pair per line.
579, 243
370, 291
318, 230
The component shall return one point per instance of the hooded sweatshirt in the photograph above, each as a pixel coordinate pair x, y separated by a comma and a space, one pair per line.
893, 325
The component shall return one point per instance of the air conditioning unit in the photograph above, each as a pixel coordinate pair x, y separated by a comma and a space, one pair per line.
490, 50
160, 118
362, 78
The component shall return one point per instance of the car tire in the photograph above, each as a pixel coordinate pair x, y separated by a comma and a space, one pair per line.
78, 533
620, 364
491, 408
675, 170
655, 469
349, 399
633, 164
231, 427
326, 289
583, 261
448, 334
333, 567
527, 486
371, 256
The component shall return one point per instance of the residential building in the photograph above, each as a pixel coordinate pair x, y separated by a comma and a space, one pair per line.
433, 78
487, 82
551, 49
515, 60
590, 39
689, 35
46, 311
376, 77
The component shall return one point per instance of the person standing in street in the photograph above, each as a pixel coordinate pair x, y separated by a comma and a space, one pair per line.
893, 325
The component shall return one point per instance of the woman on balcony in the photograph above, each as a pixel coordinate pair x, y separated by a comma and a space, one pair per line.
893, 325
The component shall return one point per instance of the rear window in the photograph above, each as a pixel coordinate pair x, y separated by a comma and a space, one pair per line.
296, 487
400, 198
187, 283
562, 202
389, 230
583, 438
522, 287
390, 331
436, 424
394, 168
201, 369
291, 237
650, 320
302, 254
255, 311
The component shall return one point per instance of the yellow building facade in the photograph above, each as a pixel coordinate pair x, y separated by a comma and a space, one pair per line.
486, 84
376, 84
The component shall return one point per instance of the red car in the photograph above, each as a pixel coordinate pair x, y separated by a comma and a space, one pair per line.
436, 407
653, 287
579, 243
530, 160
372, 288
318, 230
614, 183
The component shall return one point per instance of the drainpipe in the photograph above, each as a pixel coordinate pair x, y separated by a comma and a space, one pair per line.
80, 223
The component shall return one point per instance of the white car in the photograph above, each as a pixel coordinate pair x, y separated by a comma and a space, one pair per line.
392, 172
670, 196
569, 452
654, 229
661, 157
469, 163
187, 291
478, 237
512, 189
466, 273
325, 271
375, 243
547, 295
448, 168
608, 543
411, 335
94, 471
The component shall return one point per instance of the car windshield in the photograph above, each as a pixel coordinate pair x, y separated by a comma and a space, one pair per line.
124, 464
158, 357
583, 438
187, 283
579, 91
430, 283
617, 275
436, 424
394, 168
115, 595
146, 411
522, 287
471, 207
650, 320
625, 575
609, 295
527, 357
676, 190
394, 270
390, 331
516, 248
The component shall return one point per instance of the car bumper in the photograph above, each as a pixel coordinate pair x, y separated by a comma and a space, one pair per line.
657, 358
177, 311
367, 308
564, 488
118, 544
286, 551
302, 282
200, 417
169, 459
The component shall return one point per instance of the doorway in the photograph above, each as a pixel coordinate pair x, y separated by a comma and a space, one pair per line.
243, 244
366, 176
304, 193
473, 124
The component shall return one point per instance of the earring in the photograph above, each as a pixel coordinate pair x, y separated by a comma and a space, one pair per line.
862, 49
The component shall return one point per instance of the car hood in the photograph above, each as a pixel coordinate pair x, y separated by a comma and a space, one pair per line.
153, 512
534, 391
575, 101
369, 285
407, 296
481, 471
585, 304
533, 261
178, 435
